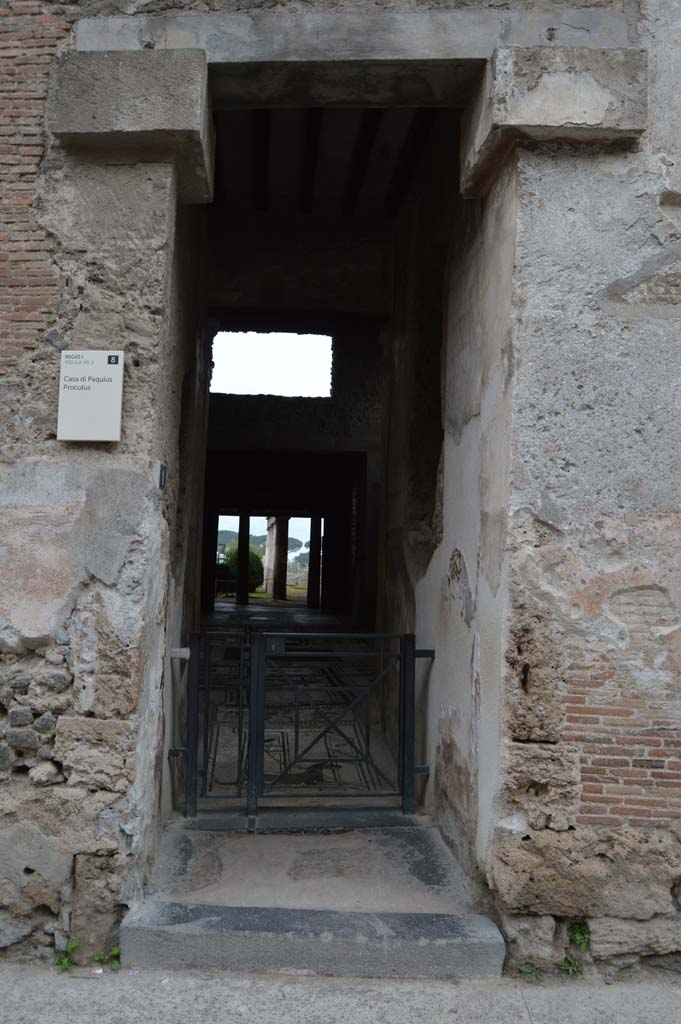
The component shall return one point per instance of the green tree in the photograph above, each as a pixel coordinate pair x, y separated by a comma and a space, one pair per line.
300, 561
226, 572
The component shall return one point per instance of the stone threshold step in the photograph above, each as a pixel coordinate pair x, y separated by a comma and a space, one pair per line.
161, 934
298, 820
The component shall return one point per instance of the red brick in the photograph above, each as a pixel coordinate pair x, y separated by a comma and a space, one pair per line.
607, 711
599, 819
29, 34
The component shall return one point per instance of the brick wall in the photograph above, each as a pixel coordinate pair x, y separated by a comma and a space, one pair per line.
30, 33
631, 748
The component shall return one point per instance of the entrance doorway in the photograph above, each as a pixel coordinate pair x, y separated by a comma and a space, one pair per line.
335, 222
332, 226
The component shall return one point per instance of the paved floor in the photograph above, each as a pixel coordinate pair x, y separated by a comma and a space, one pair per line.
276, 615
397, 870
34, 995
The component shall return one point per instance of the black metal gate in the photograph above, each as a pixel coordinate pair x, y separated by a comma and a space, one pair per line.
300, 716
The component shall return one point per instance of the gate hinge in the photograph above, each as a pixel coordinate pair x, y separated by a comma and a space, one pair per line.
180, 653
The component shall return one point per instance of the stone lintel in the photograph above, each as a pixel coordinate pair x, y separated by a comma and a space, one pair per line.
310, 36
139, 106
551, 94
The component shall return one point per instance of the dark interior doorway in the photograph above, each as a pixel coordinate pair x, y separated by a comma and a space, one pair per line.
332, 223
317, 216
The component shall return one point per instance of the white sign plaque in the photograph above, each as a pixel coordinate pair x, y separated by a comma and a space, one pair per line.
90, 396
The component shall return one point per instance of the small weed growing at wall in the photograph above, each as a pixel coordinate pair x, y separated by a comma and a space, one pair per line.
579, 934
532, 971
570, 966
112, 958
64, 960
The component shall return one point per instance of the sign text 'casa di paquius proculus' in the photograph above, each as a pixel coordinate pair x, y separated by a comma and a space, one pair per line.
90, 396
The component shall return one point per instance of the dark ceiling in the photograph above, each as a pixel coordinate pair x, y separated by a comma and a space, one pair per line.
340, 161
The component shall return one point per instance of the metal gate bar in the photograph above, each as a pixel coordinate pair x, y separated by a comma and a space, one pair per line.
308, 703
192, 723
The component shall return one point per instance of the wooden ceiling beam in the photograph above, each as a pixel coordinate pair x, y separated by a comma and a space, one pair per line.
261, 123
361, 157
420, 130
308, 178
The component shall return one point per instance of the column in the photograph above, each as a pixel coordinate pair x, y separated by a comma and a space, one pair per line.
242, 571
269, 559
280, 558
332, 566
315, 563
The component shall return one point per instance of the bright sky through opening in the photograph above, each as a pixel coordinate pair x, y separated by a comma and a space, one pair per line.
272, 364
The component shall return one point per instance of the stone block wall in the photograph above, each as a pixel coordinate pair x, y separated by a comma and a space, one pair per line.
554, 703
586, 824
88, 609
588, 821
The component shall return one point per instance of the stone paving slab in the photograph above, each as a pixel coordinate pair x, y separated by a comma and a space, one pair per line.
380, 870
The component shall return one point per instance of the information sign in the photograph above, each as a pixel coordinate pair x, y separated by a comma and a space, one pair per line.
90, 396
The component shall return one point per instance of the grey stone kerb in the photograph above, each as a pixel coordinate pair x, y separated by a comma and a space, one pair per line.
551, 94
143, 106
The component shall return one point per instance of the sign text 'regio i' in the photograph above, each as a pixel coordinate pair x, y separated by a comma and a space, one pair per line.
90, 396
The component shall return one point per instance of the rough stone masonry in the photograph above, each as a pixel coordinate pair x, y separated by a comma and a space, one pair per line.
556, 750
